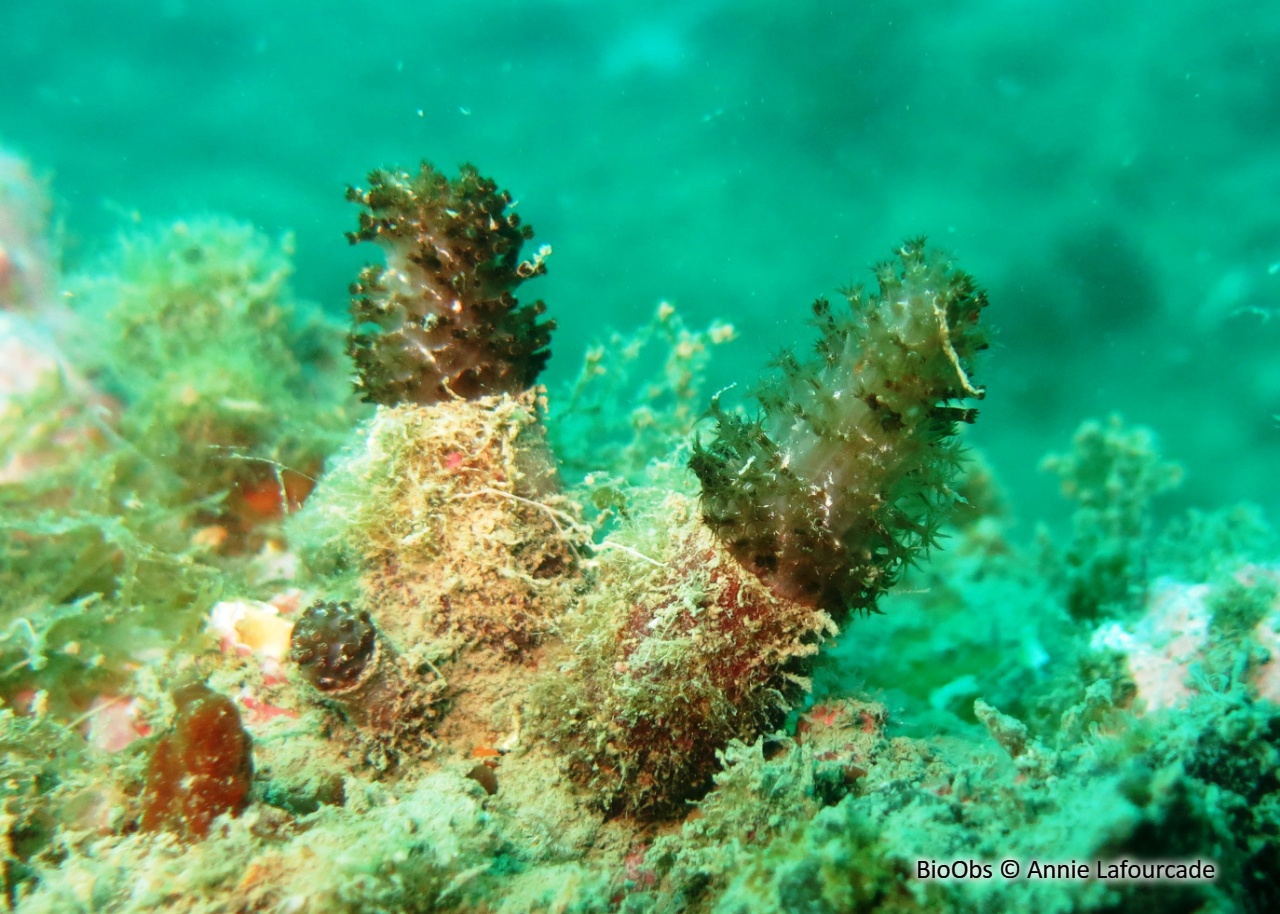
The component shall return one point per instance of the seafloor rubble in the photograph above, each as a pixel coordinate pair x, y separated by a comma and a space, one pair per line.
483, 646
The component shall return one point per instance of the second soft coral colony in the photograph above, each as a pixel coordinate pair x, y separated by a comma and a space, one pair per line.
849, 473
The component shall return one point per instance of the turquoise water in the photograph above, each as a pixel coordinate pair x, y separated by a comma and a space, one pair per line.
1107, 170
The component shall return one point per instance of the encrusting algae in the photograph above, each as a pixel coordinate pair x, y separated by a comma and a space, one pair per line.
440, 666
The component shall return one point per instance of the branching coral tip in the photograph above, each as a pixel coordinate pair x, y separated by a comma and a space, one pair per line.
441, 321
847, 474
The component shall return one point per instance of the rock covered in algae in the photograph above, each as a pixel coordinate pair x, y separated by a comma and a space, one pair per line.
444, 522
1112, 474
448, 515
228, 384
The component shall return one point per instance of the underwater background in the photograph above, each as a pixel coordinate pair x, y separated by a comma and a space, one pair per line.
1107, 170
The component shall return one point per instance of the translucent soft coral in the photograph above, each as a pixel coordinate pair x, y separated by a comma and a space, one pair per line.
847, 474
441, 320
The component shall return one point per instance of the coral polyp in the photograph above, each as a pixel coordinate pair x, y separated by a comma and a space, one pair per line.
847, 475
440, 320
334, 646
359, 674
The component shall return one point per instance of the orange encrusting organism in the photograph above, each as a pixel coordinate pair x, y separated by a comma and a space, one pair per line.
199, 769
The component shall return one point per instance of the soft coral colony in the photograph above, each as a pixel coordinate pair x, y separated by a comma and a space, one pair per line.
432, 679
